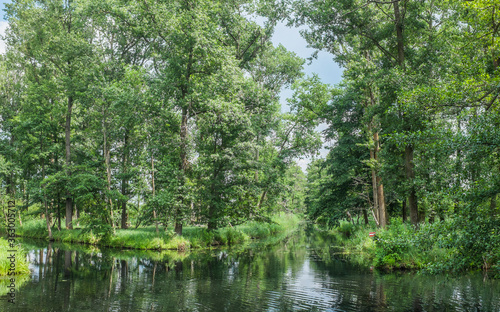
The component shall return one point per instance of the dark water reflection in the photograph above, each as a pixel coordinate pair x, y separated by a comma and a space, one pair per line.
289, 276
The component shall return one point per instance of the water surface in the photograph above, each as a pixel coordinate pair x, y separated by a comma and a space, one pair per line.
299, 274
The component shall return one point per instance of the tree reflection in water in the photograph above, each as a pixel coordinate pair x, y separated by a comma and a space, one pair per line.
302, 273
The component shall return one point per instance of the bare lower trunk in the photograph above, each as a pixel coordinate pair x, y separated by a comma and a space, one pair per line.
178, 228
261, 201
124, 217
404, 210
69, 200
47, 219
374, 187
107, 158
410, 176
382, 213
153, 189
381, 203
59, 226
183, 169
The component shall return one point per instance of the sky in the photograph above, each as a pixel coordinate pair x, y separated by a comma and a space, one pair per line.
324, 66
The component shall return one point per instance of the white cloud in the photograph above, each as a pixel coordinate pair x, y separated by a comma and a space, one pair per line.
3, 27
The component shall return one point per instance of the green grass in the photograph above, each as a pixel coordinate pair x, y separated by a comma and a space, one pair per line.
145, 238
5, 263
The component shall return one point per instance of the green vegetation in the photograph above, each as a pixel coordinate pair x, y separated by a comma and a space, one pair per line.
414, 126
21, 264
119, 114
434, 248
147, 239
102, 125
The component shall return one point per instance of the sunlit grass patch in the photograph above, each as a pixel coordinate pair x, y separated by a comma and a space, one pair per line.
146, 238
21, 265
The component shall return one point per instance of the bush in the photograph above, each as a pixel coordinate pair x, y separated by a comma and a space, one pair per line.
346, 228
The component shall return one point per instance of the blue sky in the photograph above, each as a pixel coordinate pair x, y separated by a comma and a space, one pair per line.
324, 66
2, 6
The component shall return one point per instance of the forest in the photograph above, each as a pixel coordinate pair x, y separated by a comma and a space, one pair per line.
121, 114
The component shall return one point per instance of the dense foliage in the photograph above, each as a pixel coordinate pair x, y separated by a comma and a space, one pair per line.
414, 124
167, 112
118, 113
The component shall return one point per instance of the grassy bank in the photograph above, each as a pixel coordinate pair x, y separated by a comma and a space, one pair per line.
21, 266
146, 238
448, 246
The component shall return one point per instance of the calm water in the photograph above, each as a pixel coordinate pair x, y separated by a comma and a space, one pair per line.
289, 276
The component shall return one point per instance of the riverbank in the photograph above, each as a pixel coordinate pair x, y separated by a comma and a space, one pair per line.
441, 247
146, 238
20, 265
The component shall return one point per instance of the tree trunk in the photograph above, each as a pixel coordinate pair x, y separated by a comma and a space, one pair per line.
178, 228
47, 215
261, 201
107, 159
153, 189
124, 224
69, 200
381, 203
404, 210
183, 168
399, 34
365, 216
410, 176
382, 212
59, 226
374, 187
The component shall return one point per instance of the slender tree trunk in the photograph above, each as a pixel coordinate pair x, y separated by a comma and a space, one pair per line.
262, 197
107, 159
124, 218
381, 203
59, 226
404, 210
374, 187
69, 199
410, 176
47, 216
409, 166
399, 34
365, 216
47, 219
76, 214
382, 213
153, 189
183, 167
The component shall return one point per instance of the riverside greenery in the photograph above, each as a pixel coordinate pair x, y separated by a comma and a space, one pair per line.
440, 247
146, 238
21, 263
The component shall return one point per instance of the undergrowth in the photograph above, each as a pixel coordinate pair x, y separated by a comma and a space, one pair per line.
146, 238
453, 245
